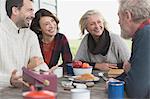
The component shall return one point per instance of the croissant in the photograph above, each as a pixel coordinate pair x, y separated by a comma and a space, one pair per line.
85, 77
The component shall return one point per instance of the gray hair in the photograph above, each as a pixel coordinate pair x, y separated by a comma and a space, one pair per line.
83, 20
139, 9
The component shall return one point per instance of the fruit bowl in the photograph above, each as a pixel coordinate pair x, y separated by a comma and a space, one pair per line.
79, 71
80, 67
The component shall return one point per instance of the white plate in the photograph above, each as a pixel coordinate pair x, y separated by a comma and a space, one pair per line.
83, 81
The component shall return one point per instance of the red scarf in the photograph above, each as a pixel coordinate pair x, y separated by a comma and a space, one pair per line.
144, 23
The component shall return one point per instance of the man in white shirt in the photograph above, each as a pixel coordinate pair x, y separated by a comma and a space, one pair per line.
17, 42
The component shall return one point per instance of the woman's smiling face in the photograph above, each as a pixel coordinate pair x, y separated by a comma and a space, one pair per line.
95, 25
48, 26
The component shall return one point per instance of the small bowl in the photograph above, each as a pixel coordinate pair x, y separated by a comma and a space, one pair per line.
79, 71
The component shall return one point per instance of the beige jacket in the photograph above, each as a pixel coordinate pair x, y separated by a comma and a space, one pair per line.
117, 53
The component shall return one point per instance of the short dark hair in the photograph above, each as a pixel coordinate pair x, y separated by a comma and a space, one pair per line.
13, 3
35, 26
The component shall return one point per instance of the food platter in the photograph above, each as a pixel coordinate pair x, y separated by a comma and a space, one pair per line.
73, 78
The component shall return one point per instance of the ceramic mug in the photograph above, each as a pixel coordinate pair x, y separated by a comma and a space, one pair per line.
80, 93
70, 69
116, 90
59, 72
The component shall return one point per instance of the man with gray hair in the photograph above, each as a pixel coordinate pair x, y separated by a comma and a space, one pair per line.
134, 20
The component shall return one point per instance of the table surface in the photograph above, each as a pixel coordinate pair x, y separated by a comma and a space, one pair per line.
96, 92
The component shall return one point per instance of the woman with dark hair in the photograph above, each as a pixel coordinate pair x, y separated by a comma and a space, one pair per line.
52, 43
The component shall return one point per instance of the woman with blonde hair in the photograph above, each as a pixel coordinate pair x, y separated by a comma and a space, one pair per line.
100, 48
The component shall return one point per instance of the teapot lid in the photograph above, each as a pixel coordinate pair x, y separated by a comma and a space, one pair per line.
40, 94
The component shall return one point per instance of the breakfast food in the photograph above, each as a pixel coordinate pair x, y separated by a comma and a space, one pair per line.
34, 61
85, 77
37, 64
115, 72
85, 65
79, 64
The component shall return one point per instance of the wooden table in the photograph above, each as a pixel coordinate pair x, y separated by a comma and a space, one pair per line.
97, 92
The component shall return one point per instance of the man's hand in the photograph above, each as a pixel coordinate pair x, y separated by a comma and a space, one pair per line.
15, 79
126, 66
34, 62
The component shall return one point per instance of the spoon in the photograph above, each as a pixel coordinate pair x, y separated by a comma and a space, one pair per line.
101, 74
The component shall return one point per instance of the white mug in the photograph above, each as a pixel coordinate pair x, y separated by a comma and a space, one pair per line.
59, 72
80, 93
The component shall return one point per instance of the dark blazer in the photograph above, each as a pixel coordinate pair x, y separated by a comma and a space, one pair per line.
138, 78
62, 48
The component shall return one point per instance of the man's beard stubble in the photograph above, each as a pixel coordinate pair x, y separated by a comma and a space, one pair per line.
125, 35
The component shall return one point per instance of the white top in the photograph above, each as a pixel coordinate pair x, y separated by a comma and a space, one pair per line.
16, 48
